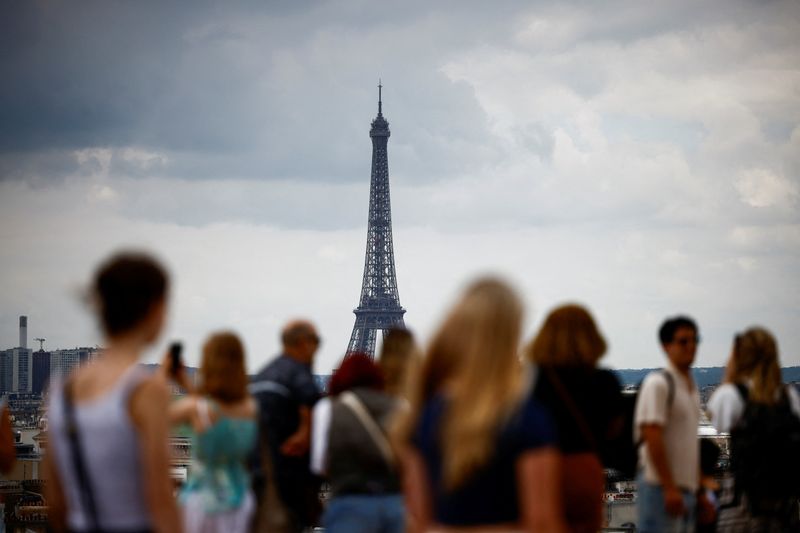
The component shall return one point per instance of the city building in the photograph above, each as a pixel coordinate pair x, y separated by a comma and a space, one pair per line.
41, 371
62, 362
16, 364
16, 370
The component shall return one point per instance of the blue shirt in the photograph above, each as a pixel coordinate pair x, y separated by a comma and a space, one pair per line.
281, 388
489, 496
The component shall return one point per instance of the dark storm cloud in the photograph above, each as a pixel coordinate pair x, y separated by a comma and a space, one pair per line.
237, 89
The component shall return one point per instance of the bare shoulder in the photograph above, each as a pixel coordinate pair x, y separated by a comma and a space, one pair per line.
151, 396
186, 404
154, 388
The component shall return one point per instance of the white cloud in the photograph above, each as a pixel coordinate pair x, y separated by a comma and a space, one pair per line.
641, 159
762, 188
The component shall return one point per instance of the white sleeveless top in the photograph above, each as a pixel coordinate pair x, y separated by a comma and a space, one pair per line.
111, 452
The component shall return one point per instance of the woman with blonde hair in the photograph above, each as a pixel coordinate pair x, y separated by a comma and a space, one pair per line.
478, 451
586, 405
398, 360
752, 390
222, 417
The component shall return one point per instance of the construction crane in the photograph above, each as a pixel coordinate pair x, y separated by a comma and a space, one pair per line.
41, 344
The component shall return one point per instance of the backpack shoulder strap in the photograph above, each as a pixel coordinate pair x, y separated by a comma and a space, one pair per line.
569, 402
670, 387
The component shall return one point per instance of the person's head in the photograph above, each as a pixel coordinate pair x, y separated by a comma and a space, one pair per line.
755, 359
479, 339
222, 369
474, 359
399, 356
300, 340
130, 290
679, 338
568, 337
357, 370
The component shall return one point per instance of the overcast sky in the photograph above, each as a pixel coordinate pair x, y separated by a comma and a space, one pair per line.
642, 158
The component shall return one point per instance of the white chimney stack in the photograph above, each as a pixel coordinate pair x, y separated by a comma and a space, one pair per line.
23, 332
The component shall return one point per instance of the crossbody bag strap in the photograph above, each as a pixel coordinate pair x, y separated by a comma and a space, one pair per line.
670, 388
351, 401
577, 416
78, 460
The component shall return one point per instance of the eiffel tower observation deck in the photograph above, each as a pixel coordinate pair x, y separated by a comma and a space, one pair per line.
379, 307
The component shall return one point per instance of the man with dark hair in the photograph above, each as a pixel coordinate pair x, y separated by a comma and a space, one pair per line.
666, 333
666, 420
286, 392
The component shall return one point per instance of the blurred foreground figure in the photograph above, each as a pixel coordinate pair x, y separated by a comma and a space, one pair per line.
763, 417
666, 419
478, 451
350, 446
108, 457
7, 452
586, 405
285, 391
222, 414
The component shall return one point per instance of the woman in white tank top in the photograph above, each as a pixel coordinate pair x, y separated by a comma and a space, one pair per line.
108, 451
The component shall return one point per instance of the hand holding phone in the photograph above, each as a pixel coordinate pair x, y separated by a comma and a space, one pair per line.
175, 362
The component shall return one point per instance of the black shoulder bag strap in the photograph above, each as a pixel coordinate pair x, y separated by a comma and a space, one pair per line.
78, 461
670, 388
577, 416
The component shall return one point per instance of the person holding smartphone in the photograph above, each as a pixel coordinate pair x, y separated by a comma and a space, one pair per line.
222, 417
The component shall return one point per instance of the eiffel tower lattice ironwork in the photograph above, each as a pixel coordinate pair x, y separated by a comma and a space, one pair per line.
379, 307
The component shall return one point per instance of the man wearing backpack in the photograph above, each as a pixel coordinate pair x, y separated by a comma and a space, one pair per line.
666, 419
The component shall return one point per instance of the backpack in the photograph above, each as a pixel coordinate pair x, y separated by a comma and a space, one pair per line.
622, 453
765, 455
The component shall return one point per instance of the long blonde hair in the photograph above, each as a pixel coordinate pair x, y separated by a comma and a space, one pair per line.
755, 355
474, 360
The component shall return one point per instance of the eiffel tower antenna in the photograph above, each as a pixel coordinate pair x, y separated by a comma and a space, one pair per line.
379, 306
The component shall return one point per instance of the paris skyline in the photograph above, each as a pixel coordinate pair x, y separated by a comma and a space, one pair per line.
642, 160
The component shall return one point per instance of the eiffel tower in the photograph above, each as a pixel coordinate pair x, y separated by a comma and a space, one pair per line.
379, 307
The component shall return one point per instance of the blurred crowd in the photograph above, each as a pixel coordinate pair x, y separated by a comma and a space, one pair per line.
481, 430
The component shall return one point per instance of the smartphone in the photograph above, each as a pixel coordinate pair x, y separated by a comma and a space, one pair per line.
175, 362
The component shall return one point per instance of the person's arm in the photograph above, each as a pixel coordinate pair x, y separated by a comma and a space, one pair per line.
653, 438
539, 482
298, 442
54, 493
706, 513
7, 452
151, 421
183, 411
416, 491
